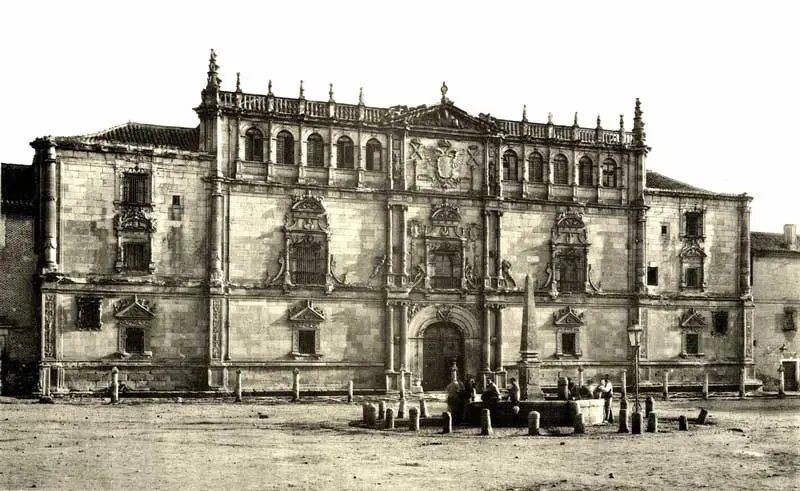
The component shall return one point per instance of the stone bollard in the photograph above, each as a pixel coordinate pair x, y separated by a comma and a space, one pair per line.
401, 410
580, 376
350, 391
705, 386
701, 418
648, 406
578, 425
624, 384
781, 382
563, 390
413, 419
388, 423
238, 389
114, 385
296, 384
486, 423
371, 416
636, 423
402, 388
683, 425
623, 421
381, 409
534, 421
364, 411
665, 390
423, 409
447, 423
742, 379
652, 423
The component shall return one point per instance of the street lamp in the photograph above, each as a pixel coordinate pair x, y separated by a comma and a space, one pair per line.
634, 337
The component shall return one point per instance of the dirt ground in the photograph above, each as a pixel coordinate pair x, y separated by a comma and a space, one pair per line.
275, 444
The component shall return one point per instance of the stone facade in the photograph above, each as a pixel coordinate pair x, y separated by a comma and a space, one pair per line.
382, 245
776, 289
18, 337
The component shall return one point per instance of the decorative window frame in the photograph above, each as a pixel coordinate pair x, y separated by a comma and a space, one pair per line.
693, 210
310, 139
568, 320
134, 312
134, 222
535, 158
280, 157
567, 238
306, 317
693, 256
585, 170
789, 319
692, 322
370, 164
558, 159
252, 137
86, 304
510, 165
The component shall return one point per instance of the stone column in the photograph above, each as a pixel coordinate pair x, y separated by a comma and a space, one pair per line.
498, 345
389, 340
404, 243
486, 273
624, 384
215, 233
114, 385
49, 190
389, 246
486, 339
781, 381
498, 260
744, 248
404, 336
641, 250
705, 386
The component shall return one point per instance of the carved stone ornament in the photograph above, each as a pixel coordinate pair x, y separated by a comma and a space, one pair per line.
306, 315
568, 317
444, 163
134, 219
89, 313
49, 327
692, 319
134, 308
216, 327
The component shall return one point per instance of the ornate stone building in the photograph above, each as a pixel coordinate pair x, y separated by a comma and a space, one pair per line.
380, 245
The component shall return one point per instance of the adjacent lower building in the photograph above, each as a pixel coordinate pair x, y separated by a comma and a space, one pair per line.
388, 246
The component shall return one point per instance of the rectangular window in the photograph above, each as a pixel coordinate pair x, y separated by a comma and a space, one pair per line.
176, 200
176, 211
720, 322
568, 343
789, 319
652, 276
693, 276
446, 269
89, 313
308, 260
692, 343
134, 340
664, 231
694, 224
307, 341
136, 189
136, 256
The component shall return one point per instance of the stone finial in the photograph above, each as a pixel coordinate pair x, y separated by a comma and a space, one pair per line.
599, 126
361, 96
575, 119
639, 135
213, 72
269, 87
524, 112
238, 82
330, 93
622, 122
302, 91
444, 92
550, 118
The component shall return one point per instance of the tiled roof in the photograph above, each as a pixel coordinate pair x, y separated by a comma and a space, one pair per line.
657, 181
770, 242
148, 134
17, 188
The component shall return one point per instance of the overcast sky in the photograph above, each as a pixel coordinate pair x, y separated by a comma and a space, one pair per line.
718, 81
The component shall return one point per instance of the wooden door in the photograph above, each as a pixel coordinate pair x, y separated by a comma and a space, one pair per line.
442, 345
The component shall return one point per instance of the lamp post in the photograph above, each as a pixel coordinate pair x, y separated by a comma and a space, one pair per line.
634, 337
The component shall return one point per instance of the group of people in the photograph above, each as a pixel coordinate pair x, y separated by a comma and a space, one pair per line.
459, 395
605, 391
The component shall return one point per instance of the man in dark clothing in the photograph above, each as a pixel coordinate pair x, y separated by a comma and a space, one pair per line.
573, 389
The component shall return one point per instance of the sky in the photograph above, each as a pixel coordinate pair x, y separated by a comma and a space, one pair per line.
718, 81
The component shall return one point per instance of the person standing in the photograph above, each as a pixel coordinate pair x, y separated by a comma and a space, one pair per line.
514, 392
607, 393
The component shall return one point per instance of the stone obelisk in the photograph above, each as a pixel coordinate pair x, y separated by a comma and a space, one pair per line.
529, 362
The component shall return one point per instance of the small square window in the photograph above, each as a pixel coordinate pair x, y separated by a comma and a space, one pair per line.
692, 343
652, 276
664, 231
720, 322
568, 343
307, 341
176, 200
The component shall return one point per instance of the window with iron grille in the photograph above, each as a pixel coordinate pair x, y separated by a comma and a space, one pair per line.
536, 167
609, 174
692, 346
569, 345
694, 275
344, 153
374, 155
694, 224
446, 267
307, 341
308, 261
134, 340
585, 171
571, 272
284, 143
509, 165
253, 145
560, 170
136, 188
136, 256
315, 149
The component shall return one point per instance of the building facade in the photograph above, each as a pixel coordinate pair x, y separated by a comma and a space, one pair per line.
19, 353
776, 290
380, 245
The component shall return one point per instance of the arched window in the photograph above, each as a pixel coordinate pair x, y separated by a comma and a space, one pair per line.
285, 150
509, 165
536, 167
253, 145
374, 155
315, 150
609, 173
560, 170
585, 171
344, 153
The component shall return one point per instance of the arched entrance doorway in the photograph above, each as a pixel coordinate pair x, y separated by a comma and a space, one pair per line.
442, 344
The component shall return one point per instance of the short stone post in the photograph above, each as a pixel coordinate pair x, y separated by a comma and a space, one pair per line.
371, 418
781, 382
486, 423
665, 390
534, 421
624, 384
578, 425
364, 412
701, 418
648, 406
413, 419
401, 410
423, 408
636, 423
580, 376
350, 391
652, 423
381, 409
402, 387
623, 416
705, 386
683, 425
388, 423
114, 385
296, 384
238, 388
742, 387
447, 422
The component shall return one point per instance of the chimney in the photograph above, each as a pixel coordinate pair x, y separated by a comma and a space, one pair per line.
790, 236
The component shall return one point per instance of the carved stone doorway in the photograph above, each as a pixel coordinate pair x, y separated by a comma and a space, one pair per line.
441, 346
